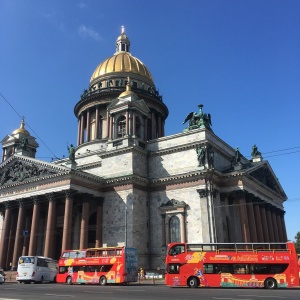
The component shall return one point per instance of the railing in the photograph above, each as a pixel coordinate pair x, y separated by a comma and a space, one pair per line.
88, 93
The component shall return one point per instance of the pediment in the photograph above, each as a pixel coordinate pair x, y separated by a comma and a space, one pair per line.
173, 204
19, 169
265, 175
7, 138
120, 103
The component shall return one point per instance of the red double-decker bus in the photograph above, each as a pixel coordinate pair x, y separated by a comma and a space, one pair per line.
299, 265
268, 265
98, 266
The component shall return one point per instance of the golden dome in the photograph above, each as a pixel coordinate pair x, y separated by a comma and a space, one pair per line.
128, 91
21, 129
122, 62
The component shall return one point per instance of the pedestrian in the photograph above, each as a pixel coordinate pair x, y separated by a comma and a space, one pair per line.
141, 275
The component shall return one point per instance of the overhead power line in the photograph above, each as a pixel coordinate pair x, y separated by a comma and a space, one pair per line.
55, 157
27, 124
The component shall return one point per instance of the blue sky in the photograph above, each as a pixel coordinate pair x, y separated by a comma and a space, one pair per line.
239, 58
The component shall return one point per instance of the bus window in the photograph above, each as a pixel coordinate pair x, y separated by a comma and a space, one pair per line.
176, 250
26, 260
63, 270
209, 269
240, 269
217, 268
111, 253
66, 255
73, 254
174, 268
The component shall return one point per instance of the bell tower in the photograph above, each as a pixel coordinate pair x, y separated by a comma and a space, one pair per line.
19, 142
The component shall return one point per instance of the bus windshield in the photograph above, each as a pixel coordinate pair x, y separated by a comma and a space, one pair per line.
26, 259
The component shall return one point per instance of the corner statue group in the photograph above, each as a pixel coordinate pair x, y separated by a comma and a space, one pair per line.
198, 120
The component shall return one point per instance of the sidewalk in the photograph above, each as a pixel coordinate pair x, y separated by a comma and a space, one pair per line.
10, 276
152, 282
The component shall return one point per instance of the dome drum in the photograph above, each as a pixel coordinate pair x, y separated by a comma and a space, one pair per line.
120, 80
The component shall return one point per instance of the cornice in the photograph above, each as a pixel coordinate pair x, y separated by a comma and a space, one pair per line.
179, 148
119, 151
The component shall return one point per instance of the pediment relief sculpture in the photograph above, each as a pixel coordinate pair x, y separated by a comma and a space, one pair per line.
265, 176
19, 171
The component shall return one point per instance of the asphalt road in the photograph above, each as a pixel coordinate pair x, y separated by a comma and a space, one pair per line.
145, 291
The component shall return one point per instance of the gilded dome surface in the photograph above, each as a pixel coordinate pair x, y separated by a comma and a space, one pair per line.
21, 129
122, 62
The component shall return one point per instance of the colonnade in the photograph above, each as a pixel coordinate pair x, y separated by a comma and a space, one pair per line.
261, 222
88, 130
21, 231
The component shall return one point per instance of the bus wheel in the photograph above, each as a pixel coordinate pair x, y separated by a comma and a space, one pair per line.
193, 282
270, 283
69, 280
102, 280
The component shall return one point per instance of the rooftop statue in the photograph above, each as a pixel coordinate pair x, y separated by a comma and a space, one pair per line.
71, 150
24, 142
237, 155
255, 152
198, 120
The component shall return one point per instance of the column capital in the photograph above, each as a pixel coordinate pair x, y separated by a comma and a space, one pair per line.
8, 204
84, 198
69, 193
223, 196
51, 197
238, 193
202, 192
21, 203
35, 199
215, 193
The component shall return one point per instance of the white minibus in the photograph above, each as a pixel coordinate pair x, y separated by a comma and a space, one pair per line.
36, 269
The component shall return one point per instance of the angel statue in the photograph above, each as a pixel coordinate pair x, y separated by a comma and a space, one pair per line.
71, 150
198, 120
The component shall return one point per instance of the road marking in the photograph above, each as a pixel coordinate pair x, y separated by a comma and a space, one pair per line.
230, 298
257, 296
56, 295
225, 298
98, 292
139, 290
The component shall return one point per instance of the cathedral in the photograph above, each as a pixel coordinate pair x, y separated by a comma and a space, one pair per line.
125, 183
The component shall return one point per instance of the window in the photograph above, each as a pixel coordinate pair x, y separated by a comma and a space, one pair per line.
100, 126
173, 268
175, 250
217, 268
138, 127
121, 130
26, 259
63, 270
175, 235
